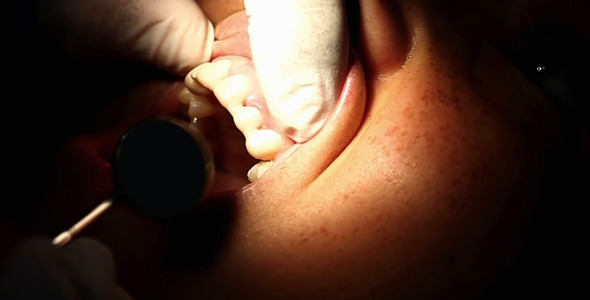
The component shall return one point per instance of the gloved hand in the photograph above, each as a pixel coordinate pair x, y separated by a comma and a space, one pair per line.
173, 35
83, 269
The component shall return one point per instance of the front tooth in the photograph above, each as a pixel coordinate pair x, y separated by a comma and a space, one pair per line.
246, 118
192, 84
264, 144
232, 90
200, 108
258, 170
210, 74
185, 96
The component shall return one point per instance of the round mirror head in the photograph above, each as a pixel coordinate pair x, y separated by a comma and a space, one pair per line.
163, 167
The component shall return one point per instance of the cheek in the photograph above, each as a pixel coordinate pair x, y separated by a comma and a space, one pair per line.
435, 181
437, 177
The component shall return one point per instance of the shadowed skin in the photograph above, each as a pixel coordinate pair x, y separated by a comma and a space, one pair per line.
419, 187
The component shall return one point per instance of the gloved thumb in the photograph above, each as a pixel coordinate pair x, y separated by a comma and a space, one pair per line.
91, 264
35, 268
83, 269
173, 35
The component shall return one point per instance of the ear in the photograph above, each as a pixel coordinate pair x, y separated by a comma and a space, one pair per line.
383, 36
218, 10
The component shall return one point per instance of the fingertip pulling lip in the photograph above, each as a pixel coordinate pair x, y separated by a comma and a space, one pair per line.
303, 163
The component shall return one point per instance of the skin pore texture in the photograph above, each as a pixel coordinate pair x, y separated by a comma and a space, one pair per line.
418, 186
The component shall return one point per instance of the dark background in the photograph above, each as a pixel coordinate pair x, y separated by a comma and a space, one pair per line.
50, 96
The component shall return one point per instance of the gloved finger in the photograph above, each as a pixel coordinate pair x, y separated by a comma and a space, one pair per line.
36, 269
93, 270
174, 35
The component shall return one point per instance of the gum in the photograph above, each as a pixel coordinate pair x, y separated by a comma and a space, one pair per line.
232, 44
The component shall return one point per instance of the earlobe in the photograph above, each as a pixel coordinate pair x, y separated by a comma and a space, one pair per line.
218, 11
384, 39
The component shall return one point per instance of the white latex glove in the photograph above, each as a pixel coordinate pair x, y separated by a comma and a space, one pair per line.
302, 71
173, 35
83, 269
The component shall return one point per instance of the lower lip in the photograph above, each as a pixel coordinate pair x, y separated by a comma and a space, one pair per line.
228, 185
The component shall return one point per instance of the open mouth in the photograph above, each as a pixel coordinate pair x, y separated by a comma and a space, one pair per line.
385, 183
252, 128
255, 148
239, 176
300, 163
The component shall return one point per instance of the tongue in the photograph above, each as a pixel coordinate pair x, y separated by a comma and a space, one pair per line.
300, 51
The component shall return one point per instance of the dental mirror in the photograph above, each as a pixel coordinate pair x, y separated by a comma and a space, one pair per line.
163, 167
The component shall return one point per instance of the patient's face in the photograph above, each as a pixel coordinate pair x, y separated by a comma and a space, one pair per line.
418, 187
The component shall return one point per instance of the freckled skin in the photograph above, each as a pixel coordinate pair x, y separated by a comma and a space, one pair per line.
434, 171
417, 188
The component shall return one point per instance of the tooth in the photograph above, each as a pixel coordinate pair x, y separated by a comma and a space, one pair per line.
210, 74
246, 118
258, 170
191, 83
264, 144
253, 173
185, 96
232, 90
299, 49
200, 108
